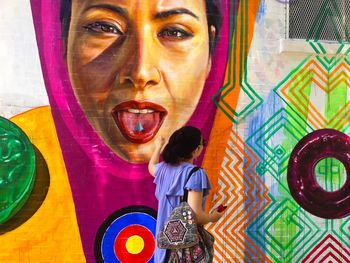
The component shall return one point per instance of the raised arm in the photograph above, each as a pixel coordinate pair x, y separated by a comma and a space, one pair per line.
195, 201
158, 145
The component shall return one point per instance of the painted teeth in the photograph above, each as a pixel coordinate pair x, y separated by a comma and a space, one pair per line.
143, 111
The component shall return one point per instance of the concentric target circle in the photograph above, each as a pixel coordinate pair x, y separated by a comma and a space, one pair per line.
133, 243
128, 235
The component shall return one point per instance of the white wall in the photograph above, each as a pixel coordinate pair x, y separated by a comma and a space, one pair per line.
21, 82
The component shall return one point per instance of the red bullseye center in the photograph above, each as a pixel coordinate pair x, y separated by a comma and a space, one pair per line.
134, 243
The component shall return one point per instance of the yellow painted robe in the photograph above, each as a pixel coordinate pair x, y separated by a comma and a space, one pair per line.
52, 233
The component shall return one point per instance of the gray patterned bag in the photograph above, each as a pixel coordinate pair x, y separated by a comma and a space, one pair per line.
180, 229
203, 252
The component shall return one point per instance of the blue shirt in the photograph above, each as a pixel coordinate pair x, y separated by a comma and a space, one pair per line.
170, 183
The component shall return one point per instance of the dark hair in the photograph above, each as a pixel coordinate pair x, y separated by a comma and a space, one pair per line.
212, 10
181, 144
214, 18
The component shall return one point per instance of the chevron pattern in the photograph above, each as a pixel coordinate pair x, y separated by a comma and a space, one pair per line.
317, 93
285, 230
266, 141
326, 79
328, 250
263, 223
246, 196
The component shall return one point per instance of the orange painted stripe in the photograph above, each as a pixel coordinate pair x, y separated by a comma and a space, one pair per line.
342, 119
338, 68
222, 125
237, 240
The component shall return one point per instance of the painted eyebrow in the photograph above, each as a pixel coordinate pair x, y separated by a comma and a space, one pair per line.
116, 9
172, 12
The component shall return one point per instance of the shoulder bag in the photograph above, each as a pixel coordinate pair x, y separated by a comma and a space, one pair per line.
184, 240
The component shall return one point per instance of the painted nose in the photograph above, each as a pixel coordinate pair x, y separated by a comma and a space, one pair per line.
141, 70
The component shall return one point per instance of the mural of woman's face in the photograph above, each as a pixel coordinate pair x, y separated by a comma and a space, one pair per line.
137, 68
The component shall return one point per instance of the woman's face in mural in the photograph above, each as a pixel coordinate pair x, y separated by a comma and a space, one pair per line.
137, 68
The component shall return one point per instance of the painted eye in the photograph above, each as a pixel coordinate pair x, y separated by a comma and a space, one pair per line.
103, 27
174, 34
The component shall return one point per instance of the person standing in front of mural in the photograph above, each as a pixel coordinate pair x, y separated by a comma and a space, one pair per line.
138, 68
184, 145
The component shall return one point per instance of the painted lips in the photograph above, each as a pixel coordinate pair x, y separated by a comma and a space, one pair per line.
139, 122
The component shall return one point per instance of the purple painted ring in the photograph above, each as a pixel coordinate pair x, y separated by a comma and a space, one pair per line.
301, 177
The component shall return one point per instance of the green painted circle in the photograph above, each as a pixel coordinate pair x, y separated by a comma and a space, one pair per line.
17, 169
330, 174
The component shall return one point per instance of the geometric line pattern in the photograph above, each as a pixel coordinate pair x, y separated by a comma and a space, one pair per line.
274, 140
246, 197
316, 96
328, 250
342, 231
237, 58
319, 49
317, 91
319, 20
284, 229
332, 18
328, 81
330, 174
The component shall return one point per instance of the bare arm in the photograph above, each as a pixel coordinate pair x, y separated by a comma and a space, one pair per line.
158, 145
195, 201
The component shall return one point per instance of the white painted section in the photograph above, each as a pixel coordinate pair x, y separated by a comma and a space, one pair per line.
21, 81
301, 46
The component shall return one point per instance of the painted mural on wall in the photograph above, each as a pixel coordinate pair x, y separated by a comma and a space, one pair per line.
73, 173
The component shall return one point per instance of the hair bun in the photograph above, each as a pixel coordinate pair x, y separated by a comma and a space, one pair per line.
181, 144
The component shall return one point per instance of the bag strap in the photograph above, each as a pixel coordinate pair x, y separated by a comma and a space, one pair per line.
185, 196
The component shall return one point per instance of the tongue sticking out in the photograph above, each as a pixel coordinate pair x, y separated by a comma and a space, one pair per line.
138, 127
